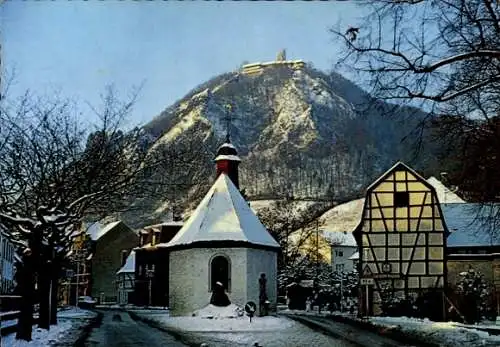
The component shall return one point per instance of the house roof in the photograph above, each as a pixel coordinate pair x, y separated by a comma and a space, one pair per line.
444, 194
355, 256
223, 215
98, 230
471, 224
170, 223
345, 239
398, 165
346, 217
343, 217
129, 265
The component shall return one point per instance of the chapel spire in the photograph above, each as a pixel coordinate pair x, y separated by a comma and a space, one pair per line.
227, 159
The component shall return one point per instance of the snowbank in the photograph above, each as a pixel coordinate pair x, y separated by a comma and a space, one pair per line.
40, 337
219, 323
230, 332
75, 312
215, 312
8, 323
446, 334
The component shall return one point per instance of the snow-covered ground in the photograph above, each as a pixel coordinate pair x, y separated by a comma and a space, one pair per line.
7, 323
70, 320
268, 331
446, 334
7, 313
41, 337
75, 312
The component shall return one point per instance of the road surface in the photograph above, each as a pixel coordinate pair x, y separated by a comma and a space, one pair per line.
119, 330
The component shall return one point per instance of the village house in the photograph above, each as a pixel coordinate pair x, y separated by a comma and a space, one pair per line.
402, 240
110, 246
429, 234
343, 247
152, 265
474, 243
125, 281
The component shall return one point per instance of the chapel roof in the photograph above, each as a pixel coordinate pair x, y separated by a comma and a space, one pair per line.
227, 151
223, 215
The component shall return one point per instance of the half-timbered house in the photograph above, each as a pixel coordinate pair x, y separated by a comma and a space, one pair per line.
125, 280
402, 239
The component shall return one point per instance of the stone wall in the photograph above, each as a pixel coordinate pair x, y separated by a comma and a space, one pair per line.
262, 261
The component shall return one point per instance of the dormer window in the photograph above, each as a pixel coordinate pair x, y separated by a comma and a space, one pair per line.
155, 238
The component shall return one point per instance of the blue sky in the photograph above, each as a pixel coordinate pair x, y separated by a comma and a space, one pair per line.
77, 48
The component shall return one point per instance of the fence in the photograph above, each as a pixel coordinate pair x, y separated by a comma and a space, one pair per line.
10, 305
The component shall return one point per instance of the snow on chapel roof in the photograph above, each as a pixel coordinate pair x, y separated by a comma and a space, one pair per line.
223, 215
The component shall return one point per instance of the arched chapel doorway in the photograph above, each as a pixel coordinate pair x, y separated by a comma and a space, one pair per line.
220, 271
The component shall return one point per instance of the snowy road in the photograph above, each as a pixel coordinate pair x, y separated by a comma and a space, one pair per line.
233, 332
119, 330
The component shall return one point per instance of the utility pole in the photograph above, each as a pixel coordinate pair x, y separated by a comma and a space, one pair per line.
150, 274
317, 252
341, 291
77, 277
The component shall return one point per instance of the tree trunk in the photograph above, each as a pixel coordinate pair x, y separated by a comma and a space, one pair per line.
44, 296
56, 269
27, 291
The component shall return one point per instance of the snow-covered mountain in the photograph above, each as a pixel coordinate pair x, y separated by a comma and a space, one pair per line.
298, 131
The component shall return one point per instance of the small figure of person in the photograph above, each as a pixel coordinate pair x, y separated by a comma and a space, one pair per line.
308, 304
263, 302
219, 296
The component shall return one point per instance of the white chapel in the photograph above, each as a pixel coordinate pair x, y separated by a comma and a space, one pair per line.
222, 241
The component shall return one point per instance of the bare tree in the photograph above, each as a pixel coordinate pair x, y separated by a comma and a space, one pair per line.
445, 57
293, 228
52, 178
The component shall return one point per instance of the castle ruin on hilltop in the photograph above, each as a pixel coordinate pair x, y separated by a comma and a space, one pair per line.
258, 68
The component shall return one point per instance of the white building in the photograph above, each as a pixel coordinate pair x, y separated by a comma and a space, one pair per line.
355, 259
223, 241
125, 280
343, 247
7, 260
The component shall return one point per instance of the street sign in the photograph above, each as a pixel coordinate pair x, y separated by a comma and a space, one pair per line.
367, 271
367, 281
